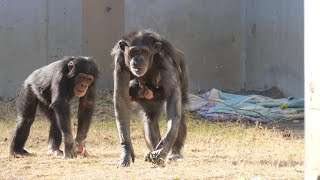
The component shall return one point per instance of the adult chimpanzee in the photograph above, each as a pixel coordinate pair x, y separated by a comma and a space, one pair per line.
146, 59
52, 87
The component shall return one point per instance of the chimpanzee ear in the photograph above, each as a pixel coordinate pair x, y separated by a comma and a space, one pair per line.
157, 47
123, 44
70, 65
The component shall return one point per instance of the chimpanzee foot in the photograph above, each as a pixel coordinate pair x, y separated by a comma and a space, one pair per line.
19, 153
55, 152
175, 157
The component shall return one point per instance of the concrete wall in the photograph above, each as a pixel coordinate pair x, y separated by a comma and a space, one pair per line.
38, 32
33, 34
210, 33
23, 31
64, 29
229, 44
103, 25
274, 46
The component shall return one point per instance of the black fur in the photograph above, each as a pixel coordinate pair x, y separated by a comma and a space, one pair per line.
51, 88
167, 70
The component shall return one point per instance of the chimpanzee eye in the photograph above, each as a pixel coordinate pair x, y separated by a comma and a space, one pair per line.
133, 52
90, 79
143, 51
80, 78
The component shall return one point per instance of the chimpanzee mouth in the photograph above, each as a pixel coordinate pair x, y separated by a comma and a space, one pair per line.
138, 68
80, 91
139, 72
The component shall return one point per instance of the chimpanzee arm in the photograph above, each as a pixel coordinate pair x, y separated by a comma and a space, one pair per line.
85, 112
173, 109
60, 105
122, 113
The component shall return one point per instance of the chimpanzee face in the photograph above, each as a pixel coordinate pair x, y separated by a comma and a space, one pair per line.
139, 60
82, 83
139, 56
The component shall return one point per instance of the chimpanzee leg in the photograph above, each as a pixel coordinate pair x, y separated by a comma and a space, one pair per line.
55, 136
26, 110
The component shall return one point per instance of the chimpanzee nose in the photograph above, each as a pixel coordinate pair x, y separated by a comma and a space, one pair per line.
138, 59
137, 63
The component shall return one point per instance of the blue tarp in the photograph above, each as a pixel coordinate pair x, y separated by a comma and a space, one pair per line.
217, 105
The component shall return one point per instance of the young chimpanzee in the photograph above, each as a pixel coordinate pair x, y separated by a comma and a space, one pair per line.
138, 91
52, 87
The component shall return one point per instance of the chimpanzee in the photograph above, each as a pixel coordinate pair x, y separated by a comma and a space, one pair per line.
52, 87
147, 91
144, 60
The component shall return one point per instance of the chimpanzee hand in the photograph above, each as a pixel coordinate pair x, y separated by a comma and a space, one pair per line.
157, 156
126, 155
70, 150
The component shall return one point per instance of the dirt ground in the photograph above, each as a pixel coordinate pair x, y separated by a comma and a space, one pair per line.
213, 150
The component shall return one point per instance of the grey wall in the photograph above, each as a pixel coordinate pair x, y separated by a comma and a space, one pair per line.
37, 32
64, 29
103, 25
229, 44
274, 37
34, 34
22, 42
210, 33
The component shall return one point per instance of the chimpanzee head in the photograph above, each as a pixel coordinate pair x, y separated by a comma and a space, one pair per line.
84, 72
139, 52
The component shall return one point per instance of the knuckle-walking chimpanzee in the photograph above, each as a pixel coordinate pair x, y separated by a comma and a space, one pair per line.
51, 88
149, 70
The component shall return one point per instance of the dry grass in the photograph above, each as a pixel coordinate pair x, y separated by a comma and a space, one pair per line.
220, 150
